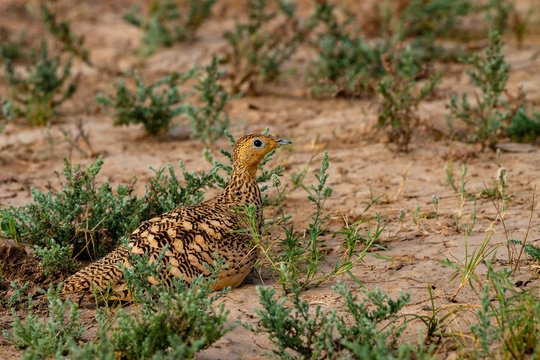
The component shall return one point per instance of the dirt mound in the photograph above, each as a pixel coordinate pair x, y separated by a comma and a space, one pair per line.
18, 265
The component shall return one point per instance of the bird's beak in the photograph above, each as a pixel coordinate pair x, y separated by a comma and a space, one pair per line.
283, 142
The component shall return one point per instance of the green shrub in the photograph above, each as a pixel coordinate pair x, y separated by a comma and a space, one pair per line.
260, 47
49, 338
42, 88
346, 65
421, 22
431, 18
491, 113
165, 192
209, 120
169, 322
497, 13
70, 41
400, 99
166, 23
15, 50
509, 317
367, 329
54, 257
295, 259
79, 220
524, 127
154, 105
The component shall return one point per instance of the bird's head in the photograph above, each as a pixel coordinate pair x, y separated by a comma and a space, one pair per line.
249, 150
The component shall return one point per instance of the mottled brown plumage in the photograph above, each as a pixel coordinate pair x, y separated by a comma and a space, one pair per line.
193, 234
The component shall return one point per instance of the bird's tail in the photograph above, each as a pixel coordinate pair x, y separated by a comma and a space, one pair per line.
102, 275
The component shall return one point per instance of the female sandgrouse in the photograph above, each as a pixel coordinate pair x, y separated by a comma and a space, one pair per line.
193, 233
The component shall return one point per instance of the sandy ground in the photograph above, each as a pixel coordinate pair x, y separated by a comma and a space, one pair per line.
360, 163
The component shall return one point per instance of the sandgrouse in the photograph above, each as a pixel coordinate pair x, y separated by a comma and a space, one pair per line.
194, 234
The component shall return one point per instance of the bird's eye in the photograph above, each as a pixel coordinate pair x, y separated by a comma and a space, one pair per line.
258, 143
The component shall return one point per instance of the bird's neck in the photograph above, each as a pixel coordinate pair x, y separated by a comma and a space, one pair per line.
242, 187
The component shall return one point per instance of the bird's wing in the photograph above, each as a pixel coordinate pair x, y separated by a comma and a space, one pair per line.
192, 235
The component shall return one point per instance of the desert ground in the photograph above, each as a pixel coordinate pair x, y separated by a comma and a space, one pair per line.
362, 164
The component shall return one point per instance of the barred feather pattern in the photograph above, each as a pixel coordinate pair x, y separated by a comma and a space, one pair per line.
192, 235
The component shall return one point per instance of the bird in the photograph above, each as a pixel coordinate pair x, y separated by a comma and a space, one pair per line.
193, 235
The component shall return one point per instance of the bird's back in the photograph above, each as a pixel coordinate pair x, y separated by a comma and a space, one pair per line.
189, 238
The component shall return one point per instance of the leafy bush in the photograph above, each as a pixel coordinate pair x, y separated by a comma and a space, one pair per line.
15, 50
524, 127
209, 121
165, 192
260, 47
509, 316
154, 105
367, 330
491, 113
397, 114
81, 219
70, 41
346, 64
170, 321
166, 23
421, 22
42, 89
47, 338
431, 18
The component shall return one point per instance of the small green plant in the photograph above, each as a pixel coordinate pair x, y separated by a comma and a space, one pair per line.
435, 201
464, 195
42, 88
80, 219
509, 316
498, 191
209, 120
49, 338
438, 320
260, 47
400, 99
491, 113
154, 105
177, 320
299, 330
295, 258
70, 41
15, 50
53, 257
18, 293
346, 64
532, 250
524, 127
420, 23
166, 192
497, 13
300, 255
429, 19
466, 267
166, 22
